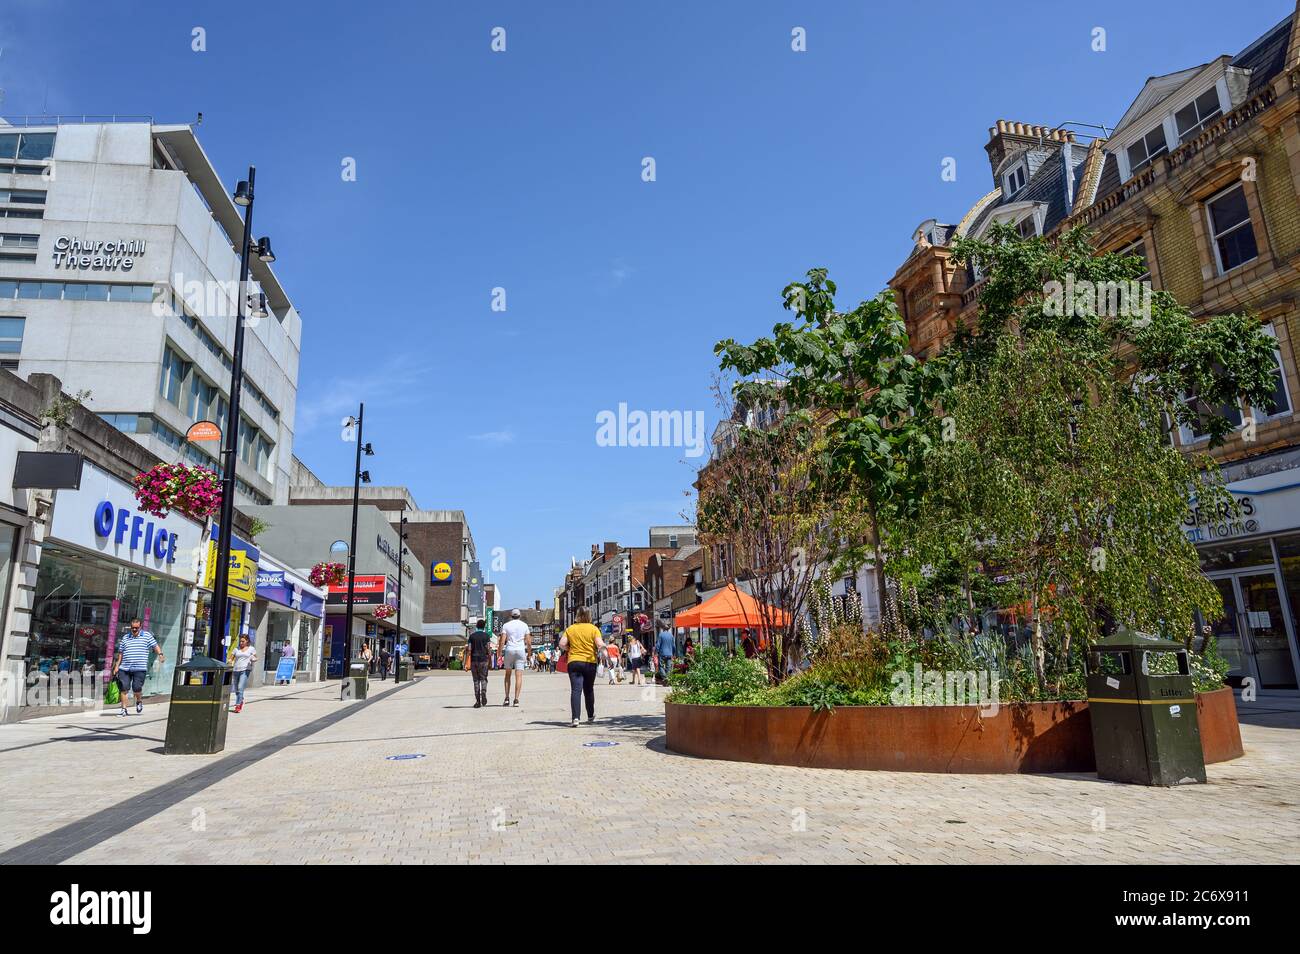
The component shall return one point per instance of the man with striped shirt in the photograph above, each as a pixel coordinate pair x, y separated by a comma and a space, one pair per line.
132, 662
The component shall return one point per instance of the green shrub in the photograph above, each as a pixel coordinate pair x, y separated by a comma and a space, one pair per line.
715, 679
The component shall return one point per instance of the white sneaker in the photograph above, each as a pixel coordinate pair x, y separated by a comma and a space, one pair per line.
576, 723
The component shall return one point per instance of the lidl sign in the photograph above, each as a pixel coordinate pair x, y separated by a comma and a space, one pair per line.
441, 572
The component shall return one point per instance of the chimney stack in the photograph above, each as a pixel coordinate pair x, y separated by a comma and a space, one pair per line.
537, 604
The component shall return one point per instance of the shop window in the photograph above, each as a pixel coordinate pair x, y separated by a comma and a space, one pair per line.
1234, 555
1232, 234
82, 604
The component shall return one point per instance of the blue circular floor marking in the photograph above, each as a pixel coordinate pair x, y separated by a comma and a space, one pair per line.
403, 758
602, 744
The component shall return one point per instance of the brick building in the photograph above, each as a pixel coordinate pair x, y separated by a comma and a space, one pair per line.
1200, 177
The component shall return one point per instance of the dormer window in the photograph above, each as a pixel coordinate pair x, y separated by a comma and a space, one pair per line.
1147, 148
1197, 113
1028, 226
1014, 180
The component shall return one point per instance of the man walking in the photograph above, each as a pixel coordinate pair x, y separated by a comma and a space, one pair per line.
517, 640
385, 657
479, 648
665, 646
131, 662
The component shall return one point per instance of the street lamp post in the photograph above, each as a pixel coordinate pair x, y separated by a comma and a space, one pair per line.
230, 445
401, 563
358, 476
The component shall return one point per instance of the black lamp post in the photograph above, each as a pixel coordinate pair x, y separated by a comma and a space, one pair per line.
401, 563
358, 477
230, 444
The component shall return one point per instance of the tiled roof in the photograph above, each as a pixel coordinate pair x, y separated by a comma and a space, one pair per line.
1265, 57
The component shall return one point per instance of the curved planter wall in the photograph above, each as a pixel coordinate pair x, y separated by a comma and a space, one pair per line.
1021, 737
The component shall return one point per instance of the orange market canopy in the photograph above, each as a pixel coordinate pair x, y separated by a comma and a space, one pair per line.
730, 608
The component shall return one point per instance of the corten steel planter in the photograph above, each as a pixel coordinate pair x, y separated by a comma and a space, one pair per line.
1028, 737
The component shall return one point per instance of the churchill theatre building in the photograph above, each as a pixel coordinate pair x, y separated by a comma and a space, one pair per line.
119, 265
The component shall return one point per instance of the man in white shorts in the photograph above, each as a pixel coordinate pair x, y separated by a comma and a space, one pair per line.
516, 641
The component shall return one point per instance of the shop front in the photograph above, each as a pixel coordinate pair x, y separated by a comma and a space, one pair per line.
102, 564
242, 591
290, 610
368, 592
1253, 559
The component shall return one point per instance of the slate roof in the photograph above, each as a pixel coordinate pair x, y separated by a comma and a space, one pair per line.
1266, 57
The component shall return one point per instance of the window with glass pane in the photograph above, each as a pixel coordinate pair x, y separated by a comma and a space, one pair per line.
1231, 229
1280, 402
1147, 148
8, 290
1231, 411
1138, 249
1197, 113
11, 335
9, 146
172, 379
36, 146
74, 292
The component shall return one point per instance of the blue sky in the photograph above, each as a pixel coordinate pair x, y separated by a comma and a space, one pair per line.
522, 170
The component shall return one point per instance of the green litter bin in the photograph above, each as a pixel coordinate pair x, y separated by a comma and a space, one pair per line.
404, 670
200, 706
359, 673
1142, 703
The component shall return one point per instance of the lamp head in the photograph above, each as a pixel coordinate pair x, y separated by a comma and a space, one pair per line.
243, 194
264, 249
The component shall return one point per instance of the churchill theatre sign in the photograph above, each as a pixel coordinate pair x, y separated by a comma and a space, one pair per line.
107, 256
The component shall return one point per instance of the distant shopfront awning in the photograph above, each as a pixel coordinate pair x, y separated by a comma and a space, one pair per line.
731, 608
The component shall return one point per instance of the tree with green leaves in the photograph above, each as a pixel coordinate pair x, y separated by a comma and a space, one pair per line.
854, 374
1060, 480
757, 501
1193, 367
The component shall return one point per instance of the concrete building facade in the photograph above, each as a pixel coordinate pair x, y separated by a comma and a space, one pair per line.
119, 266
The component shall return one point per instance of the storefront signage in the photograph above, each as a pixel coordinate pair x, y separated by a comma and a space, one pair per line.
366, 591
242, 576
441, 573
110, 256
1206, 525
390, 551
101, 517
114, 521
276, 586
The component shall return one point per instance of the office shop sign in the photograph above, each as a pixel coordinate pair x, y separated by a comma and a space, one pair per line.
102, 518
99, 256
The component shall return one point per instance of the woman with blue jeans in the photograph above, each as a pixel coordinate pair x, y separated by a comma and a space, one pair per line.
244, 656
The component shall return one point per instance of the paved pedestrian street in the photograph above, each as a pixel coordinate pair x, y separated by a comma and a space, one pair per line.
306, 778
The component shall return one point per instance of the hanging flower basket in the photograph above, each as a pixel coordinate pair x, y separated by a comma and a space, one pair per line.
385, 610
191, 489
328, 574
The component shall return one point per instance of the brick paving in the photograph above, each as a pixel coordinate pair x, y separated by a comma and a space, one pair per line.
305, 779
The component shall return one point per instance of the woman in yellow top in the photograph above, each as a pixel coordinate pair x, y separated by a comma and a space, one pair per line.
583, 642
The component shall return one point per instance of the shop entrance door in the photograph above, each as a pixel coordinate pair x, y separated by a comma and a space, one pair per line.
1254, 634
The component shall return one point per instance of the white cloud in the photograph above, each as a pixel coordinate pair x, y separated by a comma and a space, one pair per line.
494, 437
